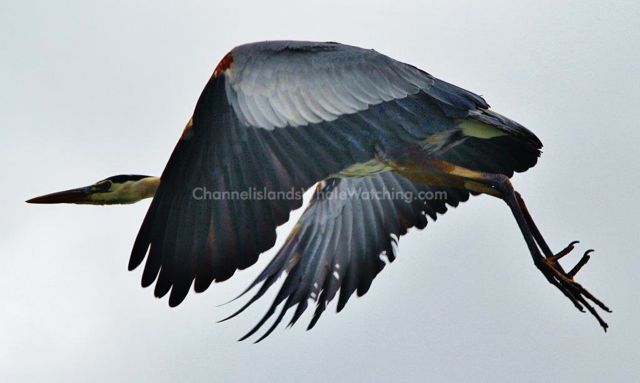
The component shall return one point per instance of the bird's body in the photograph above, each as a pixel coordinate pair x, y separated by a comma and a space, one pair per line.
281, 116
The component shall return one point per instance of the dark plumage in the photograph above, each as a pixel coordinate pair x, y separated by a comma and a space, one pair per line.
277, 117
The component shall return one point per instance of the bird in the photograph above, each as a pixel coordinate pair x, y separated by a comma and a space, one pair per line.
389, 147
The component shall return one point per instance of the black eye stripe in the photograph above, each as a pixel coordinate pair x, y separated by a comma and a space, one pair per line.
103, 186
122, 178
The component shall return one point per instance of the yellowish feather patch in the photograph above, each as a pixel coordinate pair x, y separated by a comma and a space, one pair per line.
363, 169
471, 128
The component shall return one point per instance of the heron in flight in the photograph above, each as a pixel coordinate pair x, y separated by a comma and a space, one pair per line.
277, 117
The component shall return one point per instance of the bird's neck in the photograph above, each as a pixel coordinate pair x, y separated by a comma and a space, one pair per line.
147, 187
129, 192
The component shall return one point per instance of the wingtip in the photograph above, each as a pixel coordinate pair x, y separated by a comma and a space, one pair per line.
131, 266
135, 259
174, 302
233, 299
228, 317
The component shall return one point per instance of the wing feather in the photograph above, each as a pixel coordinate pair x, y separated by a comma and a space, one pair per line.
344, 79
280, 117
338, 243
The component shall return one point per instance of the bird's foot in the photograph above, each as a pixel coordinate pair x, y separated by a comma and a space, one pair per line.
564, 281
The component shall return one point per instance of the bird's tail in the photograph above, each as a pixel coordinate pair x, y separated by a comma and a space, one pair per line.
489, 142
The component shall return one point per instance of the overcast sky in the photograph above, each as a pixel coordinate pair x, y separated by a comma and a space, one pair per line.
89, 91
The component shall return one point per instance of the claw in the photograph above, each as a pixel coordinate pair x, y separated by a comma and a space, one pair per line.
553, 271
565, 251
580, 297
583, 261
545, 267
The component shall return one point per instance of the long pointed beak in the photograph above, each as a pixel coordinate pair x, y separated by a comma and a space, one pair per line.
78, 195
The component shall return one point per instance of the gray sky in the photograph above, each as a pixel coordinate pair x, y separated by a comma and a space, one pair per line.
90, 91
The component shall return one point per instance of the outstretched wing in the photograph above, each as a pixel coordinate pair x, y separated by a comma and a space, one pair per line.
342, 239
275, 118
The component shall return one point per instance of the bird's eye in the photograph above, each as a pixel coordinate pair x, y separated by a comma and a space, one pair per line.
103, 186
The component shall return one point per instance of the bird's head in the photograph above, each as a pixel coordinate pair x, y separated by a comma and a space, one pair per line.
121, 189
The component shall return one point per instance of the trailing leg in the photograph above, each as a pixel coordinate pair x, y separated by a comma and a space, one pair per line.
498, 185
549, 264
